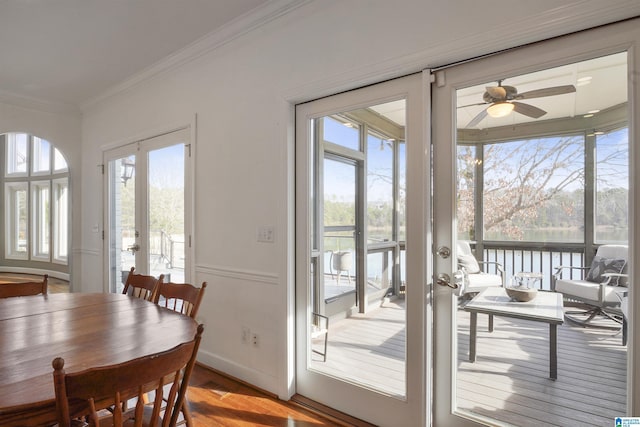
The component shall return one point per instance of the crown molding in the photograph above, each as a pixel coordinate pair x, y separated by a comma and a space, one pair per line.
40, 105
240, 26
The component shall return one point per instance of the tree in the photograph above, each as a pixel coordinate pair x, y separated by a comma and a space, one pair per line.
520, 177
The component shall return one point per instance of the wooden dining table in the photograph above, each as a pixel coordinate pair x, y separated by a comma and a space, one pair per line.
86, 330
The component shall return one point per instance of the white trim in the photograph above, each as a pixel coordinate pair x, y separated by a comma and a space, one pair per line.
239, 274
30, 103
238, 370
236, 28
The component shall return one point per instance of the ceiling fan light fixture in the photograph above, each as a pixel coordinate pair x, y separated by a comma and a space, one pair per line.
500, 109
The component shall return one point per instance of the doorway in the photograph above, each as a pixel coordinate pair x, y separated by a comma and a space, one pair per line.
360, 321
148, 197
538, 152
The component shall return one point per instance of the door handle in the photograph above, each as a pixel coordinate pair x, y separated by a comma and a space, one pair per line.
133, 248
445, 280
444, 252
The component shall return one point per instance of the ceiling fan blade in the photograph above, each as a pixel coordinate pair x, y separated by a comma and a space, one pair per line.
472, 105
528, 110
497, 92
477, 119
548, 91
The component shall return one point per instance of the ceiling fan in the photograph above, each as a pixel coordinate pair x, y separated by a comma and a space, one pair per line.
502, 100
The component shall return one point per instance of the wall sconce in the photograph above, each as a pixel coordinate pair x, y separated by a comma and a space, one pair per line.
128, 166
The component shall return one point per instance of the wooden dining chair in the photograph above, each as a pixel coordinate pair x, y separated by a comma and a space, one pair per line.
181, 297
140, 285
22, 289
94, 392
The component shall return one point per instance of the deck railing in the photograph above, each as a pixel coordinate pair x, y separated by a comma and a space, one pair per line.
544, 258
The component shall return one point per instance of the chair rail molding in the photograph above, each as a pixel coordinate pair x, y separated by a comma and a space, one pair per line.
239, 274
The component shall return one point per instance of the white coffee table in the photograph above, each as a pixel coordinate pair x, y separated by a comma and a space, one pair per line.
546, 307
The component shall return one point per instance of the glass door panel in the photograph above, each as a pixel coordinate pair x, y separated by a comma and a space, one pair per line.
123, 245
340, 210
166, 189
147, 194
536, 190
353, 345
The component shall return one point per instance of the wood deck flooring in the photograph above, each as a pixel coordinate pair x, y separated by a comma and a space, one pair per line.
509, 382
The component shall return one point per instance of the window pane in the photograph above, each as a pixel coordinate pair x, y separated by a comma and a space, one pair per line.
380, 269
16, 209
17, 153
41, 212
344, 132
41, 158
467, 165
59, 162
60, 220
612, 187
534, 190
379, 189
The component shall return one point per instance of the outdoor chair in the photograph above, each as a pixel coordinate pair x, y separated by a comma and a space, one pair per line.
474, 277
98, 394
23, 289
141, 286
599, 288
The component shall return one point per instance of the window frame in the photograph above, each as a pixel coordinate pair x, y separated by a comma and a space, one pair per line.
47, 219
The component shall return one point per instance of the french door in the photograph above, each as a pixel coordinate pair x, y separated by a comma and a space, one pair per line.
148, 198
361, 307
528, 187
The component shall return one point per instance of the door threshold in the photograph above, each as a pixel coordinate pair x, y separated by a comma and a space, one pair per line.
325, 411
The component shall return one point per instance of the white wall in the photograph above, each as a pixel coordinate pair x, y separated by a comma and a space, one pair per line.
243, 94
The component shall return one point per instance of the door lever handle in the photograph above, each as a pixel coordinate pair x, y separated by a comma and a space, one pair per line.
445, 280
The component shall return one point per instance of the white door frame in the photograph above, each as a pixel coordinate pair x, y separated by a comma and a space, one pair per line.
547, 54
359, 402
154, 141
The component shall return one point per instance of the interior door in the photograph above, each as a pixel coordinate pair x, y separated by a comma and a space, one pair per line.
500, 175
361, 244
148, 195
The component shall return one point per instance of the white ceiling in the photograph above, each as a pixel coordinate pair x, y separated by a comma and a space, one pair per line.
70, 51
600, 83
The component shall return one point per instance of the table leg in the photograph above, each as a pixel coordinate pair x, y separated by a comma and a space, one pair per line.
473, 327
553, 351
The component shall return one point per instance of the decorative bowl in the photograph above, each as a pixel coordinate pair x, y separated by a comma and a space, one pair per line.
522, 293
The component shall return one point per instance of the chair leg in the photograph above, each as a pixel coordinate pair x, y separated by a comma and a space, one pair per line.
591, 313
186, 412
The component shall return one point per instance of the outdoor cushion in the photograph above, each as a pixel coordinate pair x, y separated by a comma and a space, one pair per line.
588, 291
469, 263
482, 280
601, 265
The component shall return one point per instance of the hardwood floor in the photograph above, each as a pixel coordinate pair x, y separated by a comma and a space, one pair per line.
217, 400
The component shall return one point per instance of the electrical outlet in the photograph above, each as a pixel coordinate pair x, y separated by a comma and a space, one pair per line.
266, 234
246, 335
255, 339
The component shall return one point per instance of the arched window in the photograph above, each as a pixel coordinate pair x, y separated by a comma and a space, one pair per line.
36, 200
